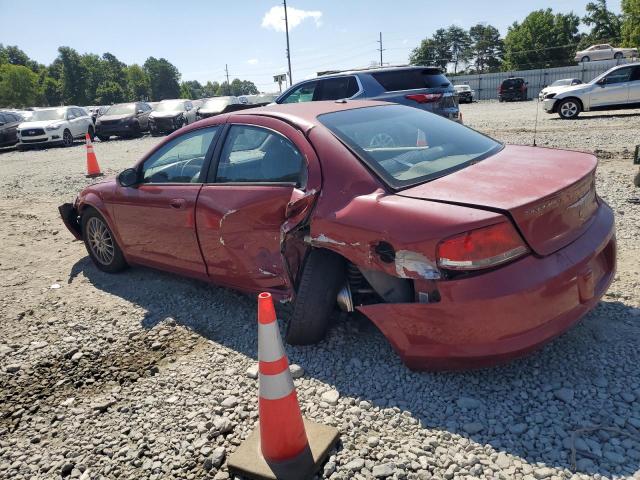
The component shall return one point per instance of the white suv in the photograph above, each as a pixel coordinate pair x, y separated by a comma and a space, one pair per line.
59, 125
616, 88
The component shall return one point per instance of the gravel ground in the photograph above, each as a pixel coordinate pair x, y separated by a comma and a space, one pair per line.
147, 375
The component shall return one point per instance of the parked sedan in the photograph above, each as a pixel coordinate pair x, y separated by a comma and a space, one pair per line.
605, 51
9, 122
123, 120
465, 93
617, 88
217, 105
558, 86
436, 237
55, 126
170, 115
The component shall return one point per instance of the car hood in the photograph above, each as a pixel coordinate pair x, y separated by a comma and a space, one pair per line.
40, 124
165, 114
548, 193
115, 117
582, 88
211, 110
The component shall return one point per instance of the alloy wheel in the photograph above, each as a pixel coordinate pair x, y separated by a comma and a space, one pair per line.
569, 109
100, 241
67, 138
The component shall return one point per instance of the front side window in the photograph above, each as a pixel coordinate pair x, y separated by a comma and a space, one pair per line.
304, 93
256, 155
405, 145
181, 160
619, 76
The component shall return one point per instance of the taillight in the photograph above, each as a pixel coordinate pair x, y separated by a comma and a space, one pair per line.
523, 87
424, 97
481, 248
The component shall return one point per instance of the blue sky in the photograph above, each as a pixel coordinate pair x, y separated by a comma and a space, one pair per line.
200, 36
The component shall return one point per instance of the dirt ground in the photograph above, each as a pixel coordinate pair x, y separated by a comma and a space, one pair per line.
142, 374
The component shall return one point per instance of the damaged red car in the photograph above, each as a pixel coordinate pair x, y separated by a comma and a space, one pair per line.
464, 252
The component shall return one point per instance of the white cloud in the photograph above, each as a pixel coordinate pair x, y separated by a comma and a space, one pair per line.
274, 18
252, 61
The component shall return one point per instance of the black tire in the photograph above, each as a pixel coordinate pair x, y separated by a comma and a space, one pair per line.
500, 99
636, 181
585, 59
618, 55
104, 138
67, 139
569, 108
322, 278
115, 262
92, 133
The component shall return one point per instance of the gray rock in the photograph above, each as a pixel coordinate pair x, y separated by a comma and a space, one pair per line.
76, 356
564, 394
468, 403
544, 472
253, 371
473, 427
217, 456
331, 397
230, 402
329, 468
614, 457
503, 461
518, 428
13, 368
373, 441
296, 370
383, 471
355, 465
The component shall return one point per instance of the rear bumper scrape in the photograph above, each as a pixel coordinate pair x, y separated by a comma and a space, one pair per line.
69, 215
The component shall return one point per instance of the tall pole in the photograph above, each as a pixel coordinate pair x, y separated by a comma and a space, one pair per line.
286, 27
380, 42
226, 68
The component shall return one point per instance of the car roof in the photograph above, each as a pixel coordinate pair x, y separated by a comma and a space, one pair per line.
377, 70
303, 115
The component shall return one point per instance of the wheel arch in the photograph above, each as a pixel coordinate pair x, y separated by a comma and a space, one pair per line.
560, 100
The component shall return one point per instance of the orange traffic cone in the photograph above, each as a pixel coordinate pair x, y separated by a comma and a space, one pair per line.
93, 169
421, 141
284, 446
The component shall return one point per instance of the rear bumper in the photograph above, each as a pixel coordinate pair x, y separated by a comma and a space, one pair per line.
494, 317
69, 216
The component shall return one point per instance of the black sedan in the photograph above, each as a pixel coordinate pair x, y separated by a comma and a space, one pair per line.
9, 122
123, 120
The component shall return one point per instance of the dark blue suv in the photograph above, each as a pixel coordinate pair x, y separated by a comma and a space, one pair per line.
420, 87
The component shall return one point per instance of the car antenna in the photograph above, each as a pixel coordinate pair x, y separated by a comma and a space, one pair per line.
535, 125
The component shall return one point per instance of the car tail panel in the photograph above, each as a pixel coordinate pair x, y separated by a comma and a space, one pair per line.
549, 194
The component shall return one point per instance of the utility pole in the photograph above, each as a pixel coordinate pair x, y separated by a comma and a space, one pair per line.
380, 49
226, 69
286, 27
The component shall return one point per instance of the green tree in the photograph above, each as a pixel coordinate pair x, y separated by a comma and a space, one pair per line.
210, 89
605, 25
73, 77
18, 86
486, 48
433, 51
93, 68
459, 46
109, 92
191, 89
630, 30
543, 39
137, 83
163, 79
50, 91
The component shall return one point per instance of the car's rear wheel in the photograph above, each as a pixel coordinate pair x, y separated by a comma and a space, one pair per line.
618, 55
101, 244
569, 109
585, 59
321, 280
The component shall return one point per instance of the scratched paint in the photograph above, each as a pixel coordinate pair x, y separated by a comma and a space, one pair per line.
411, 264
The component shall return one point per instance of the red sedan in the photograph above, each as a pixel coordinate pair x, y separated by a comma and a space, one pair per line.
464, 252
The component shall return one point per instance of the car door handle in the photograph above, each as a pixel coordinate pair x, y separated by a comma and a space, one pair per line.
177, 203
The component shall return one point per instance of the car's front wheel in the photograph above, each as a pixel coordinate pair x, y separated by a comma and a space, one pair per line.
585, 59
569, 109
618, 56
322, 277
67, 138
101, 244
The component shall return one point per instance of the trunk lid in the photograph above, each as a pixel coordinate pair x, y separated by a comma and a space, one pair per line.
549, 194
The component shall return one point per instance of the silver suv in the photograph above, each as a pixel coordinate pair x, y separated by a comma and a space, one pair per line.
426, 88
616, 88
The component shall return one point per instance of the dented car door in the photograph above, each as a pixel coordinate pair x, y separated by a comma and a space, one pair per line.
262, 184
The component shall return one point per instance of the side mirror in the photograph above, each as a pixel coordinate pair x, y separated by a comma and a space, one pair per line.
128, 177
602, 82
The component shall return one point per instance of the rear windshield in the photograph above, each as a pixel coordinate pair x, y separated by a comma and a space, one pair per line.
411, 79
512, 82
407, 146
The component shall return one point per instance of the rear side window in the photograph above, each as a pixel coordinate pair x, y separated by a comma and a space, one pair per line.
411, 79
256, 155
635, 76
337, 88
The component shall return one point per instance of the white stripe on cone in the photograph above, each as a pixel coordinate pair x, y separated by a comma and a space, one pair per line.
275, 387
270, 346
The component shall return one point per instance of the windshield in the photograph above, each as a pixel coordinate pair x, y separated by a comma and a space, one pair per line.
216, 103
43, 115
171, 106
122, 109
405, 145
